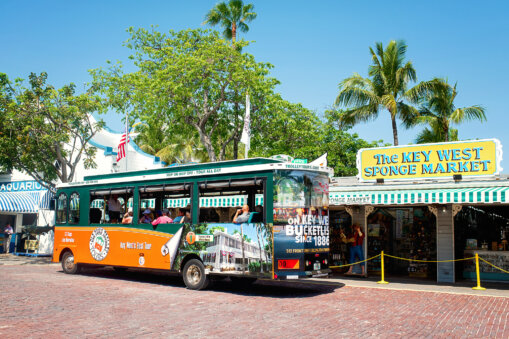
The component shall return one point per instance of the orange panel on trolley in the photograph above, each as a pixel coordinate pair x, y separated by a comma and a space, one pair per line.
288, 264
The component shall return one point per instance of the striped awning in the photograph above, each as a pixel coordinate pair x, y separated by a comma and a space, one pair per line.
25, 202
21, 202
478, 195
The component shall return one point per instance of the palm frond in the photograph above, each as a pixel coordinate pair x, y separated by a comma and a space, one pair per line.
468, 113
359, 114
427, 136
390, 103
235, 9
425, 90
243, 27
355, 96
408, 114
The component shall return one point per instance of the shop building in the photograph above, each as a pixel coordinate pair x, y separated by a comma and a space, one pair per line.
443, 216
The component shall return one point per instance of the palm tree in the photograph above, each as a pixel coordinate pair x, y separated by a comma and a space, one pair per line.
232, 16
433, 133
439, 112
384, 89
157, 139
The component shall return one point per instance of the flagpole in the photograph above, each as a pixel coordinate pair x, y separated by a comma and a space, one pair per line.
248, 113
126, 138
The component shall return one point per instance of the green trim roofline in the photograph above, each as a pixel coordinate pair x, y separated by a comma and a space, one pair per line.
189, 167
224, 169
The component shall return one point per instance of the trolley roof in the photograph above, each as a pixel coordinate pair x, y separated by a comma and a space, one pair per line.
194, 170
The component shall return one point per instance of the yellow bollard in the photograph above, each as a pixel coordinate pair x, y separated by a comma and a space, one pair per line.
478, 287
383, 273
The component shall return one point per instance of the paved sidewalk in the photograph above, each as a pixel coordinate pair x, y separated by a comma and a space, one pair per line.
463, 288
11, 259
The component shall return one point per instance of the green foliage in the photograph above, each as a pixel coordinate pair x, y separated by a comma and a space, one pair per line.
291, 129
438, 112
254, 266
190, 82
45, 131
385, 88
231, 16
342, 147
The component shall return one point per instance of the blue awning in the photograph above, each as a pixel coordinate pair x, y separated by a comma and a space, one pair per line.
20, 202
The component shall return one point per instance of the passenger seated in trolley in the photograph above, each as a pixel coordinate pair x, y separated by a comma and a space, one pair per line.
178, 219
128, 217
244, 217
146, 219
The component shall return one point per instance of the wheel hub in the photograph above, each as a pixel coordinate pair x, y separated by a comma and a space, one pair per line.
69, 262
194, 274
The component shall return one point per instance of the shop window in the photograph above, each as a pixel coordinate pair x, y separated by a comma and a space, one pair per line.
61, 209
175, 198
74, 208
108, 206
220, 200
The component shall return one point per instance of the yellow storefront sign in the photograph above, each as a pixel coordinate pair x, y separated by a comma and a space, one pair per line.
468, 158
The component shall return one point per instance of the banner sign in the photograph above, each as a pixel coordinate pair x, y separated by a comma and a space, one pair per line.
424, 161
21, 186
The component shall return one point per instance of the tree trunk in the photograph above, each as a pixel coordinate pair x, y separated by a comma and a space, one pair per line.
446, 131
205, 140
394, 129
234, 31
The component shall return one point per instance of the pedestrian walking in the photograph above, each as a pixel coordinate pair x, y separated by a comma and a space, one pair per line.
7, 237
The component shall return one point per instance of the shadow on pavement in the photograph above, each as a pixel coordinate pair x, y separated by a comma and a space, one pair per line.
261, 288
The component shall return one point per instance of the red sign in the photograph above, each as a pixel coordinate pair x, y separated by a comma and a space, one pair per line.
288, 264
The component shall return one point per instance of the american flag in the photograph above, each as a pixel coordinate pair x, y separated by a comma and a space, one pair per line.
121, 146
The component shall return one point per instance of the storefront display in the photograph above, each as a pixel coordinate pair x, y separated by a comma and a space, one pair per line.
340, 228
403, 232
483, 230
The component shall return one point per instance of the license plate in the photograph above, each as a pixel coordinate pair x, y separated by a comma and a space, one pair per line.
316, 266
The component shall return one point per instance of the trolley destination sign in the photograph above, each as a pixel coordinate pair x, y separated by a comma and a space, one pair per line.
468, 158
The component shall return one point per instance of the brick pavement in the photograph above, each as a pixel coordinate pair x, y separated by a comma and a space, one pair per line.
44, 302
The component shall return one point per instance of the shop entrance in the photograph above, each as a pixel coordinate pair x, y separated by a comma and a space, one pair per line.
485, 230
340, 229
408, 232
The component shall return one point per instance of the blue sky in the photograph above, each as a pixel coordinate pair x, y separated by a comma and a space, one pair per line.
312, 44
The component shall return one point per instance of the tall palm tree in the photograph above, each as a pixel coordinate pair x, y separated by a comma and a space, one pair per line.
439, 112
385, 88
232, 16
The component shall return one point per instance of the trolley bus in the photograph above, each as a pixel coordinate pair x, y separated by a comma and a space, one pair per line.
284, 235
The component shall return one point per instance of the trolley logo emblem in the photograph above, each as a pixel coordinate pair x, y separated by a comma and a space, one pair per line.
190, 238
99, 244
